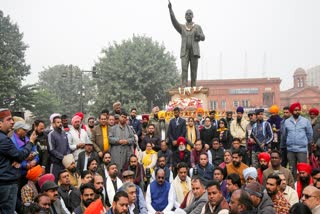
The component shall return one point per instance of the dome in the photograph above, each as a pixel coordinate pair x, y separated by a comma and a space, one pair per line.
299, 72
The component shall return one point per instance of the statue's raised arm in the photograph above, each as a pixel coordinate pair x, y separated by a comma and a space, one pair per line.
191, 35
174, 21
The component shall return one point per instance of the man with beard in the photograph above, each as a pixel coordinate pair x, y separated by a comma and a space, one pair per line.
102, 169
51, 189
181, 183
90, 126
79, 137
99, 136
87, 197
275, 122
144, 126
177, 128
263, 134
65, 123
238, 127
298, 136
151, 137
100, 191
160, 194
41, 142
276, 168
154, 119
58, 147
85, 155
121, 139
216, 202
116, 108
161, 164
305, 179
137, 169
70, 166
92, 166
229, 118
311, 198
261, 200
315, 174
134, 122
69, 194
241, 203
264, 159
120, 203
113, 183
233, 183
252, 120
181, 155
313, 113
236, 166
288, 192
43, 201
283, 144
280, 203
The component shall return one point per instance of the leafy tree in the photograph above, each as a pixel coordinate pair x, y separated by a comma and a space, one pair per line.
64, 83
136, 72
13, 68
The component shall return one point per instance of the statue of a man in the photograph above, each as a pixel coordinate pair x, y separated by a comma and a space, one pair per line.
191, 34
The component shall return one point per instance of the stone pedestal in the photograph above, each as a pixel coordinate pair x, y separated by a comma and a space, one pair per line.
188, 98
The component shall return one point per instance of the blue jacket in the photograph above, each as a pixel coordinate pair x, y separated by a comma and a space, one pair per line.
297, 134
8, 154
136, 125
24, 162
263, 132
176, 130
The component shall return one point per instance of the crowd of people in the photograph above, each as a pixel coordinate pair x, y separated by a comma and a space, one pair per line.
117, 164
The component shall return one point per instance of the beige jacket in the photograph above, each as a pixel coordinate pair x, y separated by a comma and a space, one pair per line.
239, 130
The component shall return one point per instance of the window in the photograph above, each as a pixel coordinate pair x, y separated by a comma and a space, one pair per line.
223, 104
235, 103
213, 105
245, 103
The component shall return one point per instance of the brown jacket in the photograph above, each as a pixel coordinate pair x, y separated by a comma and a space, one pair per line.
97, 138
238, 170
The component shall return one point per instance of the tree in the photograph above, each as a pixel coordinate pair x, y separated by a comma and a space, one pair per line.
137, 73
65, 84
13, 68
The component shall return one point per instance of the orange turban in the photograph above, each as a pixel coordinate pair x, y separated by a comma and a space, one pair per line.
293, 106
161, 114
274, 109
314, 111
94, 207
304, 167
265, 156
200, 111
34, 173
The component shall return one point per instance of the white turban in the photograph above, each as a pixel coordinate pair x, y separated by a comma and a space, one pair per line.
53, 116
67, 160
250, 171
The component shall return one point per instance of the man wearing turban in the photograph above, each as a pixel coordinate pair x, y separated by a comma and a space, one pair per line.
305, 178
275, 122
313, 113
264, 159
298, 136
29, 191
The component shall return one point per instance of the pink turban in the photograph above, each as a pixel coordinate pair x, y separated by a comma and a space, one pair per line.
75, 118
44, 178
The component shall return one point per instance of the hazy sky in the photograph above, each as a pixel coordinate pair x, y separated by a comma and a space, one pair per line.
75, 31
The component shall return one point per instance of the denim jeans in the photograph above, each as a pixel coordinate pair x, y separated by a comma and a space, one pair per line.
8, 198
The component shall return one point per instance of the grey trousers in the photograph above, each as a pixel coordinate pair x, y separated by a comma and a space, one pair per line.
294, 158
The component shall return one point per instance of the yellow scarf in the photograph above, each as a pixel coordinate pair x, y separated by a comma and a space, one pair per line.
192, 136
147, 159
222, 129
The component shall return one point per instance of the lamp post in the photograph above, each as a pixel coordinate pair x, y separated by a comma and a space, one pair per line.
94, 75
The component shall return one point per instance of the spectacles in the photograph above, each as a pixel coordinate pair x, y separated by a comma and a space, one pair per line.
306, 196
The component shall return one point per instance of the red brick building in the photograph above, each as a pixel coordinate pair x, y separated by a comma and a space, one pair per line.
308, 96
250, 93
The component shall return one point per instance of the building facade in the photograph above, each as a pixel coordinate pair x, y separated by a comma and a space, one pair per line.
250, 93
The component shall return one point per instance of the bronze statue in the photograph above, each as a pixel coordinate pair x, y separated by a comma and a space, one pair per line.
191, 34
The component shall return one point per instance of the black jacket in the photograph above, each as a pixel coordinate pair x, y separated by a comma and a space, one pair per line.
81, 160
70, 197
8, 154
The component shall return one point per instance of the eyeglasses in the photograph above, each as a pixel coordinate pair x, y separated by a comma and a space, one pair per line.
306, 196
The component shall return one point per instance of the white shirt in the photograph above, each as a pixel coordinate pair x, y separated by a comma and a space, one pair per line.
168, 208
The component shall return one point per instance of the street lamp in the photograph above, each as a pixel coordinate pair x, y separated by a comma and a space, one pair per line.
94, 75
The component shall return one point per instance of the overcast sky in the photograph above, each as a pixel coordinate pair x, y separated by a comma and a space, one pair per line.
277, 36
